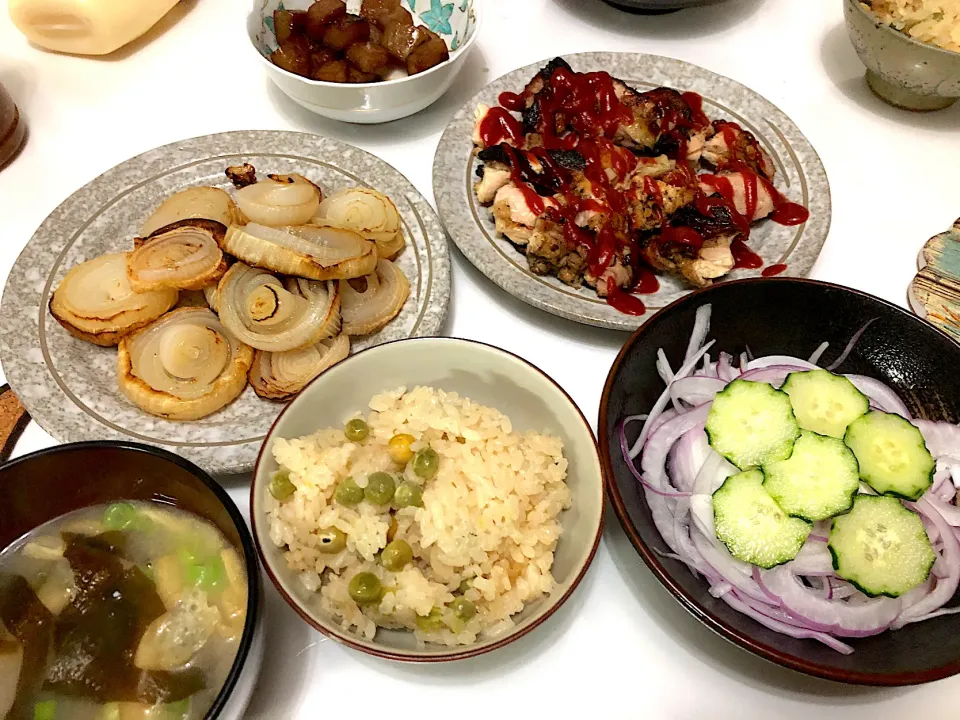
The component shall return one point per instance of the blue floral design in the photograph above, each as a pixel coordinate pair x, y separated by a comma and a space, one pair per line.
455, 43
437, 18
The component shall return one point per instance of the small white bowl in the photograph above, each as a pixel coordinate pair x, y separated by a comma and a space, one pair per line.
370, 103
488, 376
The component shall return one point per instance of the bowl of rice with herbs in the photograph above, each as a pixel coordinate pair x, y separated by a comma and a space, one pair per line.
911, 49
428, 499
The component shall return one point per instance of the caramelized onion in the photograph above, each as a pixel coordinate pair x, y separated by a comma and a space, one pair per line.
311, 252
280, 376
184, 366
208, 203
363, 210
95, 302
386, 291
184, 255
212, 297
279, 200
256, 307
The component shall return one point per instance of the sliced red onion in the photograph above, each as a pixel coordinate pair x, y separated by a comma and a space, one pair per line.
720, 589
725, 369
661, 403
701, 326
715, 470
696, 390
730, 569
824, 615
664, 492
773, 374
945, 587
818, 353
880, 395
795, 363
781, 627
687, 457
813, 559
653, 461
663, 367
851, 345
942, 438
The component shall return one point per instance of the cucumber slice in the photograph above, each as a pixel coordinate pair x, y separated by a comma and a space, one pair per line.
818, 481
825, 403
881, 547
751, 524
893, 456
752, 423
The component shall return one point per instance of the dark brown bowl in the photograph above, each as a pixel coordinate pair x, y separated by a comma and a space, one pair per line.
42, 486
788, 317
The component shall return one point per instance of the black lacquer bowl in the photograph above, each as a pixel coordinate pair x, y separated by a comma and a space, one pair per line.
789, 317
658, 6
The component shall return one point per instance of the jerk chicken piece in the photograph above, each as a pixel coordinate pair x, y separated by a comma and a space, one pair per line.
754, 205
513, 215
731, 147
493, 176
549, 253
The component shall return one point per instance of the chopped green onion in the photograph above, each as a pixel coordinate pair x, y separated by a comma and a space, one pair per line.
120, 516
178, 709
45, 710
207, 575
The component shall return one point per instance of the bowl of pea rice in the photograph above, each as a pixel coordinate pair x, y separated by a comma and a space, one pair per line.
428, 500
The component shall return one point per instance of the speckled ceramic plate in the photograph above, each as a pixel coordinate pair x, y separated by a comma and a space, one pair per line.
800, 176
70, 387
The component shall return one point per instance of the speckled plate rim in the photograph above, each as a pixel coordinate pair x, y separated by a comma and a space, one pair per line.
24, 305
453, 175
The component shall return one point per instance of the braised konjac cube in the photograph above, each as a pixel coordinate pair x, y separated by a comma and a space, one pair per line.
321, 14
345, 32
287, 23
337, 71
368, 58
293, 56
377, 11
427, 55
400, 40
400, 15
376, 35
322, 56
358, 76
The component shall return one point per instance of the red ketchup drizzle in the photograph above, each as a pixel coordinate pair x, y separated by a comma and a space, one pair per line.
499, 126
646, 282
697, 115
517, 166
773, 270
743, 256
587, 103
681, 236
623, 301
512, 101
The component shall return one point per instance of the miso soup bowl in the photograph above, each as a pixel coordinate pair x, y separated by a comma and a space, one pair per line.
458, 23
488, 376
42, 486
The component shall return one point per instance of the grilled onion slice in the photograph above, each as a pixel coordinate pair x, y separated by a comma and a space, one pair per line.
256, 307
363, 210
279, 200
95, 302
280, 376
310, 252
208, 203
378, 303
184, 255
184, 366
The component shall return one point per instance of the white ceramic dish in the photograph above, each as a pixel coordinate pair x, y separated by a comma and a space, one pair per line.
457, 22
488, 376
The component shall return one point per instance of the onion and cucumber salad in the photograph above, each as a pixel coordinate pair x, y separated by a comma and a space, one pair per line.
810, 501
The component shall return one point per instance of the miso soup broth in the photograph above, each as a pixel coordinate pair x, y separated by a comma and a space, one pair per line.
122, 612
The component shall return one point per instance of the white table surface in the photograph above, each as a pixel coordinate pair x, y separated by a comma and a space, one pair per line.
621, 646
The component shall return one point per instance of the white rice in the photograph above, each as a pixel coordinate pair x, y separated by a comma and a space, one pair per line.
490, 516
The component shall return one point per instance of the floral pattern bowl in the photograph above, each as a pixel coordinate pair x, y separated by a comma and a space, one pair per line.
456, 21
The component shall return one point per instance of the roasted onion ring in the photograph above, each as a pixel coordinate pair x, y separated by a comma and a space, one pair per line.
280, 376
184, 255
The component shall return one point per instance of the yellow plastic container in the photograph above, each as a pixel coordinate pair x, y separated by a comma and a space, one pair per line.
86, 27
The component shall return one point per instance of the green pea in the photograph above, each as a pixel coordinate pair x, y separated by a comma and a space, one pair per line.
120, 516
281, 487
396, 555
399, 448
177, 710
463, 608
332, 541
426, 462
408, 495
348, 493
380, 488
432, 622
364, 588
110, 711
209, 575
356, 430
45, 710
